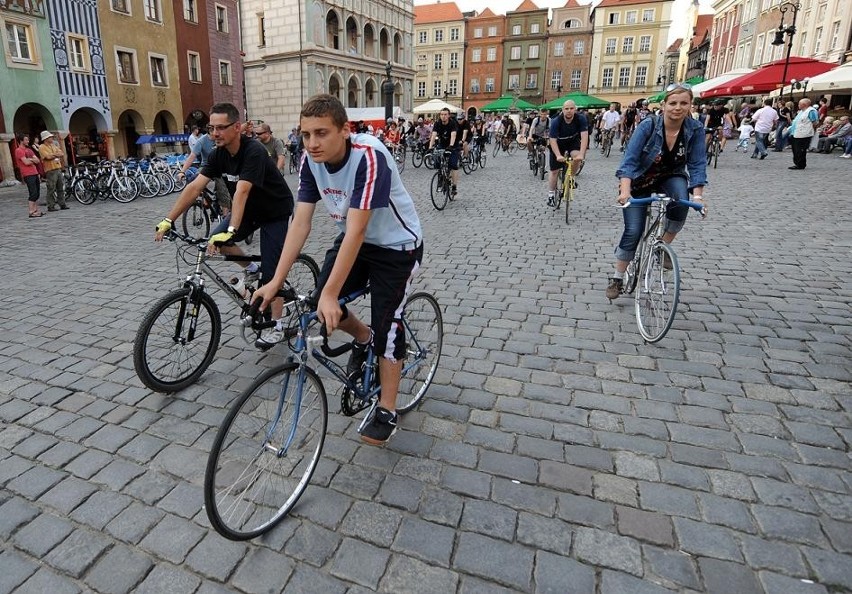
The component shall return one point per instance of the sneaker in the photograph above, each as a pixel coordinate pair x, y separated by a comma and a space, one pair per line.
614, 288
455, 191
847, 156
380, 428
357, 358
550, 199
250, 278
269, 338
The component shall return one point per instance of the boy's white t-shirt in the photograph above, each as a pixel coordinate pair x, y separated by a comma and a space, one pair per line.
745, 131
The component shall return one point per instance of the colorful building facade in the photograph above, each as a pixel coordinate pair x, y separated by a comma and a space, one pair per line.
483, 61
569, 50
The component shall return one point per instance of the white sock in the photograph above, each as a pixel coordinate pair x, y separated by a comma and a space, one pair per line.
252, 267
618, 275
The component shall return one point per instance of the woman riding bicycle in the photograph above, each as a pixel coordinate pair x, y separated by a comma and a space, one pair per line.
666, 155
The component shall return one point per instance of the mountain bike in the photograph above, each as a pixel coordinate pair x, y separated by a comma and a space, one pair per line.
713, 149
653, 273
178, 337
440, 189
271, 441
197, 218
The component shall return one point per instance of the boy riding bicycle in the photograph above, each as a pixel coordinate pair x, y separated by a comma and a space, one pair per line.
380, 244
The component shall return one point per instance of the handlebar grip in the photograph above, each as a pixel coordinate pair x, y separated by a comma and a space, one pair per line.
332, 352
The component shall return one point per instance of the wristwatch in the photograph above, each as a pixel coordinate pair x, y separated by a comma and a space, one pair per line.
232, 229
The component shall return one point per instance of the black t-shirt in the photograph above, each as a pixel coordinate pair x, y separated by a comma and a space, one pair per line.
714, 117
670, 162
270, 198
567, 134
629, 116
463, 125
445, 131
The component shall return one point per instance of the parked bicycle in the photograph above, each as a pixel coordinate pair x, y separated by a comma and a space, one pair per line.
271, 441
654, 272
178, 337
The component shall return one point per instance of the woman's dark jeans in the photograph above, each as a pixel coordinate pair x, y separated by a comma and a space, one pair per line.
634, 216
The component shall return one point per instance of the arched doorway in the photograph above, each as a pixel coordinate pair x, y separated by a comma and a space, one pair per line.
369, 41
397, 49
471, 113
332, 30
397, 95
351, 36
85, 141
32, 118
372, 93
334, 86
352, 92
129, 124
196, 118
165, 123
384, 41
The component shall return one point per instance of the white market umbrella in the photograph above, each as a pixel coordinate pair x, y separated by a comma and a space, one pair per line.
719, 80
836, 80
434, 106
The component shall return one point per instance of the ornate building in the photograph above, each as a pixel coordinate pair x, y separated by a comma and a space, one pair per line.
698, 54
439, 30
525, 52
483, 58
294, 50
630, 40
569, 53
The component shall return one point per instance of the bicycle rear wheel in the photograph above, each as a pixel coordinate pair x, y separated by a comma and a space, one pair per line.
265, 452
124, 189
176, 341
657, 293
436, 191
424, 338
85, 190
716, 149
196, 221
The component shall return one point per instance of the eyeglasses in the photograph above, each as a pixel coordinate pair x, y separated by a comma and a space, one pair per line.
675, 86
220, 127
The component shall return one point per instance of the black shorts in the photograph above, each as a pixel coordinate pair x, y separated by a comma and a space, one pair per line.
566, 152
389, 273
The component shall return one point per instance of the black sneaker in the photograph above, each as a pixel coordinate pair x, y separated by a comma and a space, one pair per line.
380, 428
550, 200
357, 358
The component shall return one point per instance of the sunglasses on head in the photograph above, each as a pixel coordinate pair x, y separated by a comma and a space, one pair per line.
675, 86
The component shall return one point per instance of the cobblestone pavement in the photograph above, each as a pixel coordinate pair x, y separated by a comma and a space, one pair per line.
555, 453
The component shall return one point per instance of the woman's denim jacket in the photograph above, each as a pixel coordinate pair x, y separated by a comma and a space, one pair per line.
646, 145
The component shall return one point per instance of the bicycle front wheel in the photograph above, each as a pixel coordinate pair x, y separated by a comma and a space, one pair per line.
424, 338
513, 146
124, 189
416, 158
657, 292
265, 452
541, 165
436, 190
195, 221
496, 148
176, 341
483, 158
85, 190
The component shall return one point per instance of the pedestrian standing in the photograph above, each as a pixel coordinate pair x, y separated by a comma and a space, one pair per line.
785, 117
764, 119
53, 160
26, 160
801, 132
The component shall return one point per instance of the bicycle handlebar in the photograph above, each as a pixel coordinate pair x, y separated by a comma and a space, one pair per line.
660, 198
332, 352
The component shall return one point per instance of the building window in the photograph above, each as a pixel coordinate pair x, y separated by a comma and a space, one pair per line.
78, 53
122, 6
19, 40
421, 38
624, 76
439, 35
630, 17
477, 33
572, 24
126, 63
261, 30
648, 15
576, 78
535, 27
454, 34
555, 80
492, 31
421, 89
579, 47
225, 73
439, 61
645, 44
453, 87
515, 52
159, 76
758, 58
474, 85
613, 18
532, 52
835, 35
476, 55
193, 62
804, 43
516, 29
222, 21
489, 85
190, 11
532, 80
627, 45
641, 75
454, 59
818, 40
610, 45
606, 80
514, 81
153, 10
491, 56
559, 48
436, 88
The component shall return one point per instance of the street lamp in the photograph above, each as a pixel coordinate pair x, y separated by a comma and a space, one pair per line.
788, 31
661, 80
387, 91
799, 84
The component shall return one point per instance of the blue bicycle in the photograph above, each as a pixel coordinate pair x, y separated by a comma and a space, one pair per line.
270, 443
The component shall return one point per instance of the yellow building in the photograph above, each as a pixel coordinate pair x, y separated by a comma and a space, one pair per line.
439, 33
140, 56
630, 41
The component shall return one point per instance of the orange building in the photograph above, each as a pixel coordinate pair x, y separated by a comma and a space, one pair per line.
483, 59
569, 50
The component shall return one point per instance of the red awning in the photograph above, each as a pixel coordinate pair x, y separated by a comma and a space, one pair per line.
768, 78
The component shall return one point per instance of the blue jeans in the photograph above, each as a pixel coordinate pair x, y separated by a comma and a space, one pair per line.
634, 217
780, 139
847, 149
760, 139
